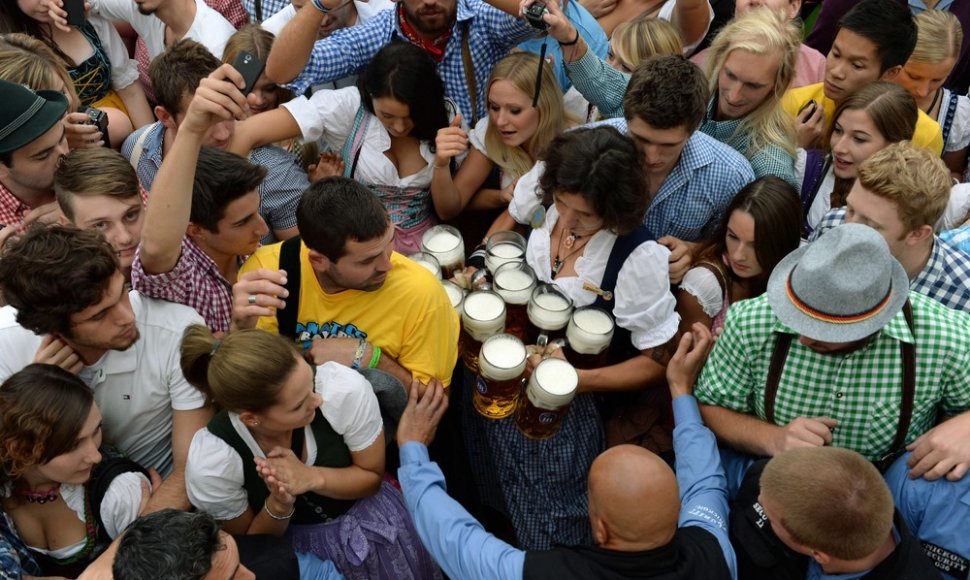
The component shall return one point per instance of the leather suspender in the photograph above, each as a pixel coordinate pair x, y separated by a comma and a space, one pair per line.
908, 351
466, 59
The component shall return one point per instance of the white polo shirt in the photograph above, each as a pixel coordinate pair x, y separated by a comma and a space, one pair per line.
136, 389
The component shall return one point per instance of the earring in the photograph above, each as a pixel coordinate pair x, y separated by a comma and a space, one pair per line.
254, 423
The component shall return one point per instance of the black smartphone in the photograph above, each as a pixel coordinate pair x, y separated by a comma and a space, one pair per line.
250, 68
810, 106
75, 12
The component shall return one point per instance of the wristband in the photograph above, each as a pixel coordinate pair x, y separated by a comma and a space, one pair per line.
276, 517
561, 43
376, 358
477, 257
358, 354
322, 8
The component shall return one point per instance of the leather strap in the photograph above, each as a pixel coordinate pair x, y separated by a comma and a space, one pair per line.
290, 261
466, 59
908, 352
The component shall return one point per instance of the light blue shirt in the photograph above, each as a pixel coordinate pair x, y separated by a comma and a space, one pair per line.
588, 28
463, 549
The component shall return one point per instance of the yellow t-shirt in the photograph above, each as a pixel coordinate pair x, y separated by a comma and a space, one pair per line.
410, 316
927, 134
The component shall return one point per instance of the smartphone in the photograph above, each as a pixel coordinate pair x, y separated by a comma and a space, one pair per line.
99, 119
75, 12
250, 68
811, 106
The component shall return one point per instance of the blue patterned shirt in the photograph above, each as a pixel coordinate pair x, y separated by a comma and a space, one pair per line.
15, 558
692, 199
959, 237
279, 193
945, 278
491, 33
267, 8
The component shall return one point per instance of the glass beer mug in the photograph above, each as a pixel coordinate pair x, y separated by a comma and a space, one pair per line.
483, 315
445, 244
547, 398
501, 366
588, 337
514, 282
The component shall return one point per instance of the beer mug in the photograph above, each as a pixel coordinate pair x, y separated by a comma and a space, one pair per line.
502, 364
456, 294
445, 244
502, 248
514, 281
548, 314
427, 260
588, 337
482, 315
547, 397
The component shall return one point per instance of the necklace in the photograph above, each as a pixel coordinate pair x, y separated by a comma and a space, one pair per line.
40, 497
936, 97
568, 242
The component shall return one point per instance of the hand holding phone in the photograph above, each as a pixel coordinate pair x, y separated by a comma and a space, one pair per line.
250, 67
75, 12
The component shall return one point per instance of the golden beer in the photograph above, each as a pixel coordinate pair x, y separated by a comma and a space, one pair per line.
548, 314
514, 282
504, 247
483, 315
547, 398
588, 337
445, 244
501, 366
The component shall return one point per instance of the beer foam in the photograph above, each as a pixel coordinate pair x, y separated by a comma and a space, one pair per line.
507, 251
502, 357
551, 301
593, 321
556, 377
514, 285
454, 293
433, 268
441, 242
590, 331
483, 306
549, 311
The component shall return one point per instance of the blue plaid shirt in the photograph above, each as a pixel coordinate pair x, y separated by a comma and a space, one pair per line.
267, 8
692, 200
945, 278
279, 193
15, 559
491, 33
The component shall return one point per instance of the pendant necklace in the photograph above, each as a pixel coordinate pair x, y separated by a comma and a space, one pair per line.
567, 241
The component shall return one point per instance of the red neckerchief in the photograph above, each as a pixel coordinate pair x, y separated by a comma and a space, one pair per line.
434, 47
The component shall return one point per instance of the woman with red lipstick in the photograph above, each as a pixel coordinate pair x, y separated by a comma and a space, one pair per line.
519, 126
761, 226
868, 120
51, 432
298, 450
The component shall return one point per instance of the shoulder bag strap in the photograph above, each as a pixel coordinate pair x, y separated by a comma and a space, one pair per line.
778, 357
139, 148
718, 275
466, 59
290, 262
909, 381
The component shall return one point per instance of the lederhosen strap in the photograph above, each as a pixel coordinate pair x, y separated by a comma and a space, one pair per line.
908, 351
469, 66
951, 111
290, 262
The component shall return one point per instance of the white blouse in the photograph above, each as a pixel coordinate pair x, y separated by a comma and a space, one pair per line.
476, 138
703, 285
644, 304
959, 137
214, 472
329, 115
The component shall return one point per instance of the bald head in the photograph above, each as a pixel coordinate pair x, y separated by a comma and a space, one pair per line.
633, 499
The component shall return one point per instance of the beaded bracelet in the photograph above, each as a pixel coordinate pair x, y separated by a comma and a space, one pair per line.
320, 6
359, 354
276, 517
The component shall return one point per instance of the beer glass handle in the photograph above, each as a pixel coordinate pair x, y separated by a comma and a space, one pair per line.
555, 345
542, 340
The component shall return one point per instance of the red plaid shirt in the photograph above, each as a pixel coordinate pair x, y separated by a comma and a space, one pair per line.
195, 281
12, 210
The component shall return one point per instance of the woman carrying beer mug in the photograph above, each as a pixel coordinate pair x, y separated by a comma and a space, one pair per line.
590, 245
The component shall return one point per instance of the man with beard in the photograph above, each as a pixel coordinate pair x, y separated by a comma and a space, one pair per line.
350, 298
68, 306
161, 22
458, 34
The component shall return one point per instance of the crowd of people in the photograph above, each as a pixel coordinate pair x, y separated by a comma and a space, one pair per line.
661, 288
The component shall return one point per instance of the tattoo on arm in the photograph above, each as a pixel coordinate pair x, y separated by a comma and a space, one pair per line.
663, 353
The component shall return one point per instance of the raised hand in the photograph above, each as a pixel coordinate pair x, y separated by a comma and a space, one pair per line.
450, 142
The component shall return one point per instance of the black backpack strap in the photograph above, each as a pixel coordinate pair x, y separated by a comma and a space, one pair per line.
908, 352
777, 365
290, 262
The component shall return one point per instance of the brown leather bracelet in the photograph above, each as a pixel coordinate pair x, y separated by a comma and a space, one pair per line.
574, 41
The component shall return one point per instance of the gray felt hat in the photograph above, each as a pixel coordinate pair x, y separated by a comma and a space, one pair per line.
841, 288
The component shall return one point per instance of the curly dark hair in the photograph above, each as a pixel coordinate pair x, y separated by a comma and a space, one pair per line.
603, 166
666, 92
42, 410
52, 272
168, 544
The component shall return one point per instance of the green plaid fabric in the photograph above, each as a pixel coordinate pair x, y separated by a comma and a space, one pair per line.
860, 389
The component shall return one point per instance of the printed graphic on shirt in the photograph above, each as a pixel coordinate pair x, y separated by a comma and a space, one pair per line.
307, 332
946, 561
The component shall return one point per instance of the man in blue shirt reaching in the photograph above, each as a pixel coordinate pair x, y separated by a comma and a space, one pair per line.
647, 522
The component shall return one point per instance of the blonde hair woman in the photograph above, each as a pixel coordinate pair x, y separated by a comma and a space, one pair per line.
30, 62
511, 138
749, 67
938, 40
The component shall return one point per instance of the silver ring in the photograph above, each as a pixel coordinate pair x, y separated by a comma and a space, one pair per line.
252, 299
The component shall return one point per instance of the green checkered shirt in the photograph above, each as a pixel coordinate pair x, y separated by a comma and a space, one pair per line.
862, 390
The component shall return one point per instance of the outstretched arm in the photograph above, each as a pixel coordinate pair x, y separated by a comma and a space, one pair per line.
295, 42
